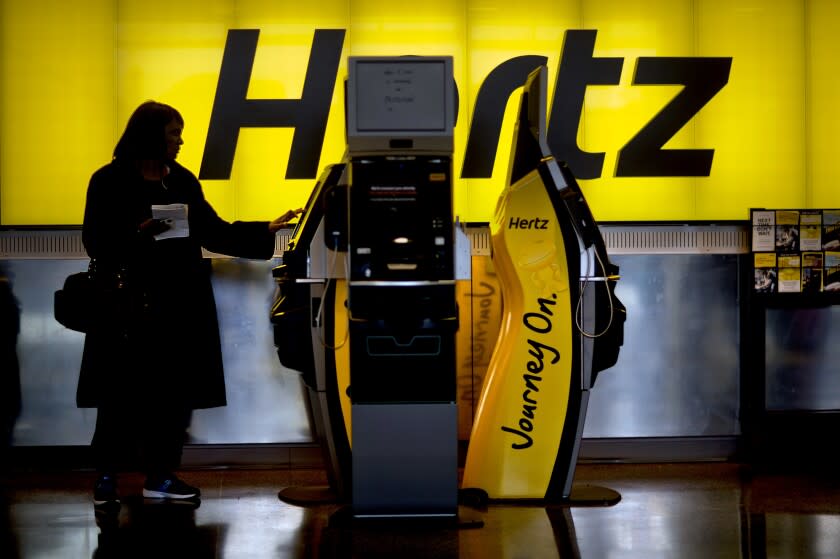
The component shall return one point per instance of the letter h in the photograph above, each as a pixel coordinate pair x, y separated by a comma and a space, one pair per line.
307, 115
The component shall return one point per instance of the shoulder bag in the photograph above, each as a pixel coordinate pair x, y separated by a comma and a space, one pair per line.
93, 298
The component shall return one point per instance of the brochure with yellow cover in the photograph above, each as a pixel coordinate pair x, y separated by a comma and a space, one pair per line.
790, 273
810, 230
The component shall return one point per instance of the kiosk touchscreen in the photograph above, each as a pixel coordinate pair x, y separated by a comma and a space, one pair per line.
401, 289
561, 325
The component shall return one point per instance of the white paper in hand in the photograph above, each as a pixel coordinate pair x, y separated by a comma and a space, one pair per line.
174, 215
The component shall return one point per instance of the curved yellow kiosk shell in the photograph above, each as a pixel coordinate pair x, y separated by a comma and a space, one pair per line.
561, 324
521, 413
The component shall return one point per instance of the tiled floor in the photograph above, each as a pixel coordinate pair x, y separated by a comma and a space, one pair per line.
666, 511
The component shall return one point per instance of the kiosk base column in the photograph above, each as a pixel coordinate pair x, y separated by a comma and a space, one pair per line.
405, 460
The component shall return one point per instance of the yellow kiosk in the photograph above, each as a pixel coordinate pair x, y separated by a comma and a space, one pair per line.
561, 325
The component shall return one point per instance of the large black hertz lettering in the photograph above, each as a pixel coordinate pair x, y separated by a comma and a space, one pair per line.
307, 115
578, 69
702, 78
489, 112
641, 156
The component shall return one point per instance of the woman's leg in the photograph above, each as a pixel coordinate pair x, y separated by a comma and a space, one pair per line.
164, 435
114, 447
164, 438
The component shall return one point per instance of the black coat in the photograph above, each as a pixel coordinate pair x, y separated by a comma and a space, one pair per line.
169, 353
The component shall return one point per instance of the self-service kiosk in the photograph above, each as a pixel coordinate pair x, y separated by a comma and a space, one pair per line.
401, 286
365, 301
561, 325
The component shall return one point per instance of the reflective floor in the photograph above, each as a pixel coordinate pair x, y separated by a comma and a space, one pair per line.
666, 511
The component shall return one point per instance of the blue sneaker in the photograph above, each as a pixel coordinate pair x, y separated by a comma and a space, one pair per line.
105, 491
171, 488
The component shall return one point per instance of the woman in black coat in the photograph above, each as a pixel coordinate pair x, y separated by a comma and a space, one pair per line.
155, 353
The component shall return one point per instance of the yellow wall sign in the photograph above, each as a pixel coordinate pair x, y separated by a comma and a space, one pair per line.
665, 110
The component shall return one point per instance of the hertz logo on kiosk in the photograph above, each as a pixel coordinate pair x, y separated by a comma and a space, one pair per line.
525, 223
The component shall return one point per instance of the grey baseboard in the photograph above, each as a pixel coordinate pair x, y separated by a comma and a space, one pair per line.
64, 458
308, 456
659, 449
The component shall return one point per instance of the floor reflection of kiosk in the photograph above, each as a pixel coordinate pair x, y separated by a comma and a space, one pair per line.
561, 325
401, 289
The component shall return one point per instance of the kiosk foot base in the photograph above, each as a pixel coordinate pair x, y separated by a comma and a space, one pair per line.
307, 496
581, 496
591, 496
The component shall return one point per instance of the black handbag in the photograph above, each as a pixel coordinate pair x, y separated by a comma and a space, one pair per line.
73, 303
94, 298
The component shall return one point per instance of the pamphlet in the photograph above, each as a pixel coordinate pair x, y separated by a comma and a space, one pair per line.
763, 230
174, 215
765, 272
832, 271
831, 230
812, 272
810, 230
787, 230
790, 273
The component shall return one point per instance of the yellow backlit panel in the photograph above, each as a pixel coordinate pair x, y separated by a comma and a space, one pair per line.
258, 184
56, 107
71, 74
756, 123
382, 27
823, 103
279, 72
257, 188
613, 115
175, 61
496, 34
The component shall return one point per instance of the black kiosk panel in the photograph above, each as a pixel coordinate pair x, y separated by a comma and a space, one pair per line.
402, 224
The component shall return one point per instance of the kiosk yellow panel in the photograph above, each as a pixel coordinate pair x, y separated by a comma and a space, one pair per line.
516, 433
341, 353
